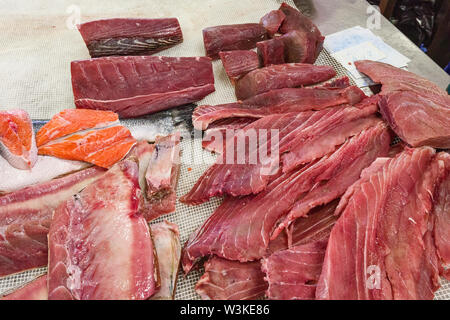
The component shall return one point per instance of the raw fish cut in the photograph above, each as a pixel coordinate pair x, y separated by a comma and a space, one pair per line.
45, 169
239, 62
137, 85
99, 245
302, 138
25, 217
162, 177
166, 238
292, 274
415, 108
102, 147
272, 21
296, 21
231, 280
232, 37
17, 143
441, 210
240, 228
299, 47
127, 37
288, 75
271, 51
34, 290
277, 102
71, 121
382, 247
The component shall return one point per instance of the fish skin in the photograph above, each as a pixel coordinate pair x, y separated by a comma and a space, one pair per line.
17, 142
25, 217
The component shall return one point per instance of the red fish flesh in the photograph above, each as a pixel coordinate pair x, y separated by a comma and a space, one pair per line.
240, 228
231, 280
239, 62
34, 290
126, 37
25, 217
271, 51
99, 245
289, 75
272, 21
382, 245
136, 85
17, 143
232, 37
166, 238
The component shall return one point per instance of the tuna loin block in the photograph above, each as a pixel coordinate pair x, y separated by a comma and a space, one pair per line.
272, 21
136, 85
232, 37
239, 62
287, 75
271, 51
99, 241
126, 37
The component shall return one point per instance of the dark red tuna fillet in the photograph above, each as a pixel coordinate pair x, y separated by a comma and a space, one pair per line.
25, 217
382, 247
136, 85
271, 51
232, 37
289, 75
299, 47
272, 21
125, 37
239, 62
231, 280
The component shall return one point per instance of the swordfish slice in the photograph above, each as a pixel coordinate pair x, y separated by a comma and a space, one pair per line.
137, 85
99, 245
34, 290
127, 37
17, 143
25, 217
240, 228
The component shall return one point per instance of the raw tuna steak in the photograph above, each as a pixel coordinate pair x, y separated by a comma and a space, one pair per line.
232, 37
99, 245
17, 143
34, 290
281, 76
271, 51
239, 62
272, 21
126, 37
134, 86
382, 246
25, 217
231, 280
166, 238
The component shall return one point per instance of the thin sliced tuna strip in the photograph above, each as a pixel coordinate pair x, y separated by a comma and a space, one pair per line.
137, 85
288, 75
240, 228
309, 135
126, 36
34, 290
100, 242
166, 238
17, 143
292, 274
243, 281
276, 102
382, 245
232, 37
415, 108
225, 279
25, 217
239, 62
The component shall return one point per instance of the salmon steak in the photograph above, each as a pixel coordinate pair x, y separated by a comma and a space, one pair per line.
17, 144
86, 135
